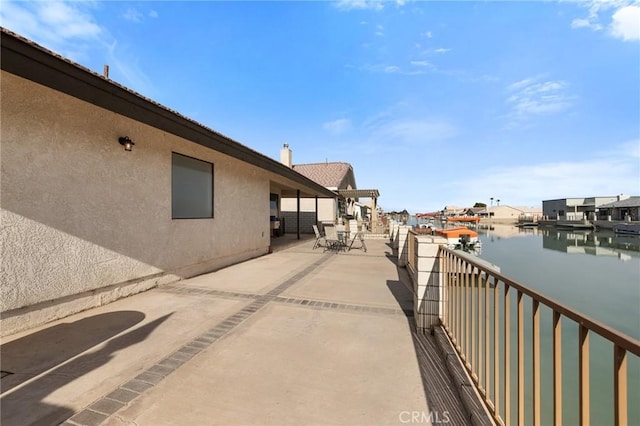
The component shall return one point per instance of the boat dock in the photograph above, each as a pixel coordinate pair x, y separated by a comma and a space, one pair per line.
299, 336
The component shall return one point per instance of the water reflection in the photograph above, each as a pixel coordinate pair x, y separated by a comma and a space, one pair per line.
601, 243
497, 231
582, 270
595, 243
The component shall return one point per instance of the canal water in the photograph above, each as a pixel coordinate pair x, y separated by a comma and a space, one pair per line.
595, 273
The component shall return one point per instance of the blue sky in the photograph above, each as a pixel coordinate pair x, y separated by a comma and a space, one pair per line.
433, 103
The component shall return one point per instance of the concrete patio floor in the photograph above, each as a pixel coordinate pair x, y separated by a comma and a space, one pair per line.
296, 337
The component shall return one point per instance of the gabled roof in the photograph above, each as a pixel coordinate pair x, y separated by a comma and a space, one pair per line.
627, 202
26, 59
329, 175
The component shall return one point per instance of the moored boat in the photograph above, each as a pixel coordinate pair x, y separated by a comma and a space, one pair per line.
627, 228
463, 219
574, 224
459, 237
527, 224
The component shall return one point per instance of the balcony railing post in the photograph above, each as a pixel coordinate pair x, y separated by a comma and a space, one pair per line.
460, 300
429, 294
583, 381
557, 369
520, 358
487, 337
507, 353
620, 385
535, 342
403, 242
465, 311
496, 350
394, 235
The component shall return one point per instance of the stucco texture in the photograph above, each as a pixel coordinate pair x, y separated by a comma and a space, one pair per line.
79, 213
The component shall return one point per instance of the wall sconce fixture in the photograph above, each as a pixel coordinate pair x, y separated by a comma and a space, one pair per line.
126, 142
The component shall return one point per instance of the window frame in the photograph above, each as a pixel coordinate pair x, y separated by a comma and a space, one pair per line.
212, 165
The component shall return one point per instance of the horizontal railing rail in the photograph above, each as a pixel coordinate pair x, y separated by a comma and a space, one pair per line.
484, 317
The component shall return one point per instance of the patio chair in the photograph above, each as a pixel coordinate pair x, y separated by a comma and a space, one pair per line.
331, 237
321, 240
360, 237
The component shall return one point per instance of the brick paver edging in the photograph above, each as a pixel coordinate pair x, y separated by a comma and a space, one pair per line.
108, 405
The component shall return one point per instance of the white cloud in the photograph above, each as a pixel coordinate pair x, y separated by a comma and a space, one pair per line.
421, 64
520, 84
346, 5
69, 22
624, 15
413, 131
585, 23
442, 50
531, 184
427, 34
132, 15
136, 16
55, 25
376, 5
337, 127
379, 30
391, 69
70, 29
626, 23
531, 97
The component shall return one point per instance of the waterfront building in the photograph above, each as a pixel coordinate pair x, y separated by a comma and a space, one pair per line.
106, 193
626, 209
335, 176
506, 213
332, 175
453, 211
579, 208
473, 211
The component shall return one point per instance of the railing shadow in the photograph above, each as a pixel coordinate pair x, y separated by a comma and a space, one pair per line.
25, 399
38, 352
439, 389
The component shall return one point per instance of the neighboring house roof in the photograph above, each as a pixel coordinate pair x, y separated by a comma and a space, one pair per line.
26, 59
358, 193
475, 210
527, 209
329, 175
504, 206
627, 202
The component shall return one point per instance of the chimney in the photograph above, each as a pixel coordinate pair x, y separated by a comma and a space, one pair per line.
285, 156
106, 71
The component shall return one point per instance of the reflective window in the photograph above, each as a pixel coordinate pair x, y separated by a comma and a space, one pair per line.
191, 188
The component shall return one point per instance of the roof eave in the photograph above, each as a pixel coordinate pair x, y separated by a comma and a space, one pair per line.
30, 61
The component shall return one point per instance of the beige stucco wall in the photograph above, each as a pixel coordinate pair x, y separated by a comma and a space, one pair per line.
78, 213
505, 213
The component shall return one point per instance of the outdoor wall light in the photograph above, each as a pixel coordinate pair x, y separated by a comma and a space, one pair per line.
126, 142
